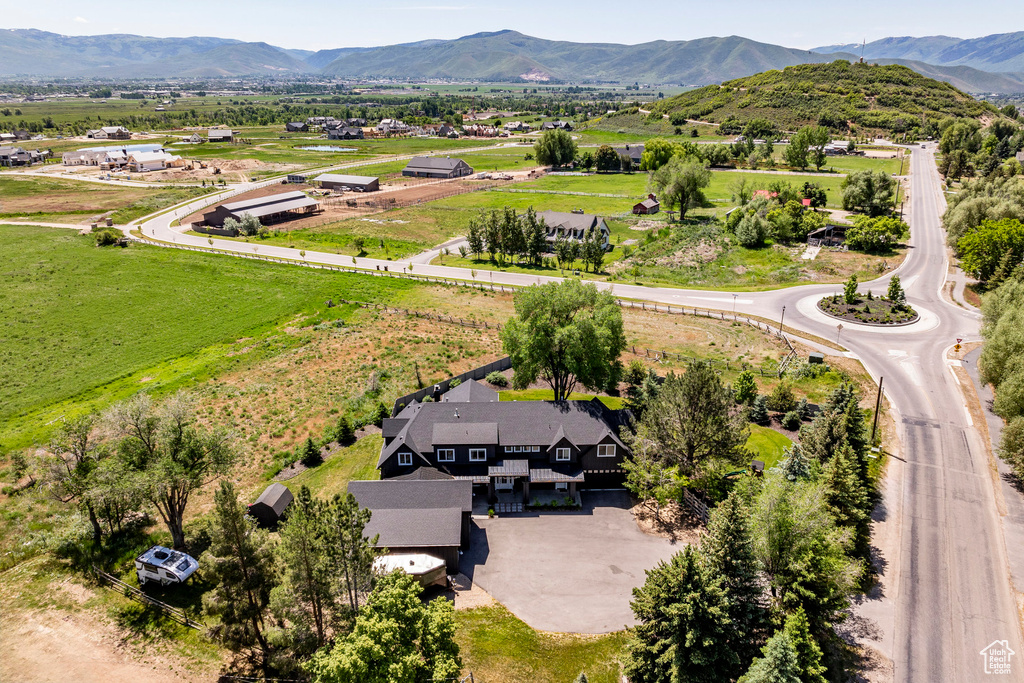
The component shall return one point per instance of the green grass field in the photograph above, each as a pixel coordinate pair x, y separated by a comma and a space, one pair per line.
613, 402
85, 326
767, 445
70, 201
496, 646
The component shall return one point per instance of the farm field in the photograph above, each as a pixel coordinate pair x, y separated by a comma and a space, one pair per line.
69, 201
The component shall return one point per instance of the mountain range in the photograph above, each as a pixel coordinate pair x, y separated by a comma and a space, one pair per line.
993, 64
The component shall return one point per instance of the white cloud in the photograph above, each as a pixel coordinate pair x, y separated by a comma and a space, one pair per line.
81, 20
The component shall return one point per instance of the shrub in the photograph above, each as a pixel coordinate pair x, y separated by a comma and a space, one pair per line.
745, 390
781, 400
791, 420
497, 379
454, 383
804, 409
104, 238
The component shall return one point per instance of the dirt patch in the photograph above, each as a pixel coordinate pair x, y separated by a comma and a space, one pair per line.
674, 521
467, 595
646, 224
53, 645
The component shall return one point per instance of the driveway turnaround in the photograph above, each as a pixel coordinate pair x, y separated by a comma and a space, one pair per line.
572, 572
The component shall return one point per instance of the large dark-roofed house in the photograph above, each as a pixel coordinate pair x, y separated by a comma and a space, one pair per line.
296, 127
572, 226
270, 209
508, 446
220, 135
344, 132
428, 516
437, 167
356, 183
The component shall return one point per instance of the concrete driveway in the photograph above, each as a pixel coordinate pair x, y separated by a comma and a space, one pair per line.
567, 572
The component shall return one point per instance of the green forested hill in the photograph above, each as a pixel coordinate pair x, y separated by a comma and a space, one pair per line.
839, 94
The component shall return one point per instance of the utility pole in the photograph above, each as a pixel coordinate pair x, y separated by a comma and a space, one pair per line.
734, 296
878, 406
781, 320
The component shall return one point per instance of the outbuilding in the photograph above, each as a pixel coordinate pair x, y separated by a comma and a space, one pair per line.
351, 183
269, 508
220, 135
647, 207
437, 167
270, 209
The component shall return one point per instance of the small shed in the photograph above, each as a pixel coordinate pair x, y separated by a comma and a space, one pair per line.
647, 207
270, 506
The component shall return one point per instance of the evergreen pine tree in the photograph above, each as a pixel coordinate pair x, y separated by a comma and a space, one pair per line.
824, 436
311, 453
728, 553
759, 410
796, 465
808, 654
240, 564
847, 499
779, 664
684, 635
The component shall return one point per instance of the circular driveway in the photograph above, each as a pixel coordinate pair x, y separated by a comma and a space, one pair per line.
564, 571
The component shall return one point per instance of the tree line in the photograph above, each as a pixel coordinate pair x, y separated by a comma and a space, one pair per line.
506, 236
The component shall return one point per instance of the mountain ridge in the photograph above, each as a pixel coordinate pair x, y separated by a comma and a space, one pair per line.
504, 55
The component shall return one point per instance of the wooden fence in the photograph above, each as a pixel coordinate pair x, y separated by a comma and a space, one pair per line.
696, 505
133, 593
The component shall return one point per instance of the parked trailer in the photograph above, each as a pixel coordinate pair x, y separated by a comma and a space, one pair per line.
164, 566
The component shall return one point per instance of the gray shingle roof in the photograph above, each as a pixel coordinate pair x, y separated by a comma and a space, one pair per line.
509, 468
519, 423
464, 434
425, 474
416, 528
470, 391
277, 497
433, 163
569, 221
413, 495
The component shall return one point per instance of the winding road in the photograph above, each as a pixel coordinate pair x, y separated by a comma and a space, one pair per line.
945, 590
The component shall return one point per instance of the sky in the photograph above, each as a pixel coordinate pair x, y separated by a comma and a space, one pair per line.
326, 24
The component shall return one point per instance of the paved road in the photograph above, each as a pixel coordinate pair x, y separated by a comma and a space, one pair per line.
946, 591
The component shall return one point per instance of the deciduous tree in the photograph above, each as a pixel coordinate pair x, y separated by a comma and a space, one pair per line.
680, 183
555, 148
566, 333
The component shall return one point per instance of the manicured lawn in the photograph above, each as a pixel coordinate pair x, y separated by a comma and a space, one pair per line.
613, 402
81, 321
496, 646
767, 445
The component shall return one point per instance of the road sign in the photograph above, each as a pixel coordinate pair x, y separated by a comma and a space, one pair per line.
959, 340
839, 327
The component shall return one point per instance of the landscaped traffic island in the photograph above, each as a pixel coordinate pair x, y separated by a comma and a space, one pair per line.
868, 309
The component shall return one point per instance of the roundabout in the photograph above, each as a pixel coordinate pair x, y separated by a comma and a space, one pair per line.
926, 320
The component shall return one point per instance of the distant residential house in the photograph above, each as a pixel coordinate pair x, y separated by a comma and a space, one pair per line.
828, 236
389, 126
353, 183
447, 131
14, 156
296, 127
634, 152
560, 125
572, 226
8, 138
355, 122
22, 135
517, 127
436, 167
647, 207
195, 138
345, 132
269, 209
141, 162
429, 516
105, 158
220, 135
480, 131
508, 445
110, 133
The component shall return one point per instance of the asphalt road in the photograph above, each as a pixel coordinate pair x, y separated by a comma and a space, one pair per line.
946, 591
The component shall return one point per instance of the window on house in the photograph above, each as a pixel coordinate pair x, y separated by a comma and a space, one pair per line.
562, 454
477, 454
446, 455
405, 458
535, 449
606, 450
